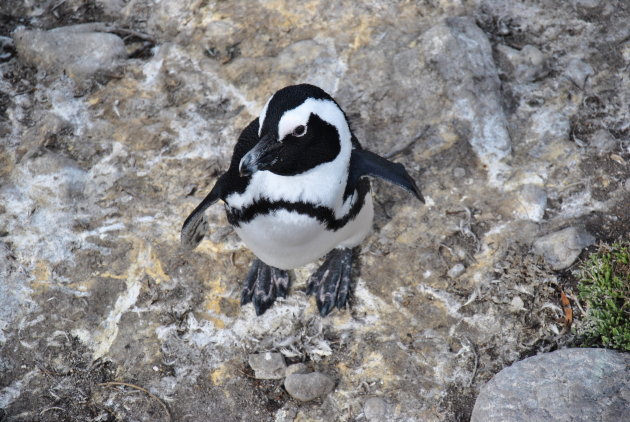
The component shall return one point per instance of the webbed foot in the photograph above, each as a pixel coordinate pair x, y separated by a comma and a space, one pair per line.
332, 281
263, 284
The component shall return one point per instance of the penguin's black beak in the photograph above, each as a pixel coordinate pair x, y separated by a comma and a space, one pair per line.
261, 157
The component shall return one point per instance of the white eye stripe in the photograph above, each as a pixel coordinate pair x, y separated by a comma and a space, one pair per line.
263, 115
325, 109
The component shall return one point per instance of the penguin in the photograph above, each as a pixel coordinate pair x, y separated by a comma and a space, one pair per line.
297, 190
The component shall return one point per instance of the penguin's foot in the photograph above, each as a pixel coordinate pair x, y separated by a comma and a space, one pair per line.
331, 282
263, 285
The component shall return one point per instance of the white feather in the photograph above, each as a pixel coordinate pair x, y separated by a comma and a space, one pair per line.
286, 239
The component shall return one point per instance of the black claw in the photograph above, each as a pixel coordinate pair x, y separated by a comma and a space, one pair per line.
264, 290
345, 283
315, 280
263, 284
281, 280
331, 283
250, 281
325, 308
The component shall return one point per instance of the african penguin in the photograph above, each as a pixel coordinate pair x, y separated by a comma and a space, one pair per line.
296, 191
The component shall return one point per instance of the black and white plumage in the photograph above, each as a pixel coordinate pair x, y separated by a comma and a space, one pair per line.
294, 192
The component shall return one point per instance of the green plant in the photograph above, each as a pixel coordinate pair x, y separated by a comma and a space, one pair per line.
605, 288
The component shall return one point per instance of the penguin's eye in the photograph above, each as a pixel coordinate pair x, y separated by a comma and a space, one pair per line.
299, 131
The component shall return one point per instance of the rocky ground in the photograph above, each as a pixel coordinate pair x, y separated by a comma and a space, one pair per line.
514, 118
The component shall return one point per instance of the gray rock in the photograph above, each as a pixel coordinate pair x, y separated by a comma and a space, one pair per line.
578, 71
565, 385
517, 304
456, 270
268, 366
76, 50
375, 409
459, 172
286, 414
296, 368
307, 387
533, 202
462, 55
561, 249
526, 65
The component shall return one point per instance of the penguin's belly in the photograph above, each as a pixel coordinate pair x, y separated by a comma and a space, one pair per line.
287, 239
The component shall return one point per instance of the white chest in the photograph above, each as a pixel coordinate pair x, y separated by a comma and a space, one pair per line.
288, 239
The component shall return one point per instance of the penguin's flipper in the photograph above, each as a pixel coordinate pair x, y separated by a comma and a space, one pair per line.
196, 226
366, 163
263, 285
332, 282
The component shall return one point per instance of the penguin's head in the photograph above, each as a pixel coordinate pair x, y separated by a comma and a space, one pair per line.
300, 127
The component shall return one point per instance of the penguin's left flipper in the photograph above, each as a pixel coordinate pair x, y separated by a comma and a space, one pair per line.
263, 285
366, 163
196, 226
331, 282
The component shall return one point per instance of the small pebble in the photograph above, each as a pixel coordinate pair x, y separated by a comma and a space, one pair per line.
532, 202
561, 249
459, 172
268, 366
517, 304
375, 409
456, 270
286, 414
307, 387
525, 65
578, 71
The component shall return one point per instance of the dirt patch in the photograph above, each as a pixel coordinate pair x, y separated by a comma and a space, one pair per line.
459, 402
64, 383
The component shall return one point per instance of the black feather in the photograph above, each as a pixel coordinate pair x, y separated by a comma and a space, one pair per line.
366, 163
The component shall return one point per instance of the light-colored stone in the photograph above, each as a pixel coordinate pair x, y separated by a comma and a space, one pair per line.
560, 249
578, 72
517, 304
459, 172
531, 203
375, 409
268, 366
307, 387
456, 270
526, 65
77, 50
462, 56
579, 385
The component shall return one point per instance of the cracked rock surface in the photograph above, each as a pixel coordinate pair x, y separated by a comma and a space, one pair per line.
565, 385
513, 118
